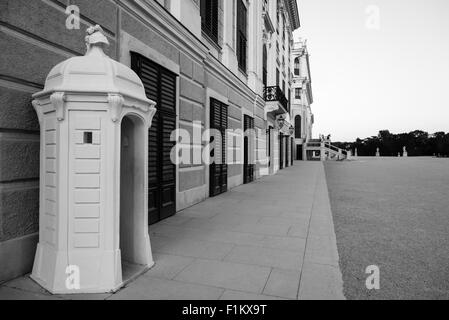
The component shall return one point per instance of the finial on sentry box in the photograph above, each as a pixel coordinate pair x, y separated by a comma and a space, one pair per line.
95, 38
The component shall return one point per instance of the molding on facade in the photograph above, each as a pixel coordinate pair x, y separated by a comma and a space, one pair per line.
154, 16
291, 6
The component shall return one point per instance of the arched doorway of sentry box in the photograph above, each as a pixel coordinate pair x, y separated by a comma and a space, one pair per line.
132, 196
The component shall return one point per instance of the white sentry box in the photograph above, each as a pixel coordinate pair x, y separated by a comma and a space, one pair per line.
93, 222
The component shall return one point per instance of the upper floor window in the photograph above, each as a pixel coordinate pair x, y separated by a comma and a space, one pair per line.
209, 18
298, 127
265, 65
298, 93
278, 20
241, 34
297, 66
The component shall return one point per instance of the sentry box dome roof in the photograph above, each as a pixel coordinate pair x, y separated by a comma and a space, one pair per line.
94, 72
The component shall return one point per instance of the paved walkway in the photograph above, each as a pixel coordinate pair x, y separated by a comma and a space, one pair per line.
272, 239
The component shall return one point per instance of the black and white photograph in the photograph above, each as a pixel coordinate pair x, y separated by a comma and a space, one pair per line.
229, 156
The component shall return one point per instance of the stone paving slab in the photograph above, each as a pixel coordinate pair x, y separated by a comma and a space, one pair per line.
235, 276
273, 258
283, 283
230, 295
147, 288
272, 239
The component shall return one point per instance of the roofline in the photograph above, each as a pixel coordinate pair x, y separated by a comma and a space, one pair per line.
292, 8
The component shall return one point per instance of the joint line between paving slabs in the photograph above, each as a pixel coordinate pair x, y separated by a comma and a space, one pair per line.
307, 237
266, 282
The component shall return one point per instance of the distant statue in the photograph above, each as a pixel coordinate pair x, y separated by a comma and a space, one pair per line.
378, 152
405, 153
356, 153
399, 154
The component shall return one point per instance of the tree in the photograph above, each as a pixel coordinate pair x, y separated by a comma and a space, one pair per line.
418, 143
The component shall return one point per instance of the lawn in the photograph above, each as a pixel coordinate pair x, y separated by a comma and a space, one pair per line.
393, 213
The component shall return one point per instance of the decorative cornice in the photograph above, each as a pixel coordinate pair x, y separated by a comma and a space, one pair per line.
268, 23
116, 102
58, 101
291, 7
150, 116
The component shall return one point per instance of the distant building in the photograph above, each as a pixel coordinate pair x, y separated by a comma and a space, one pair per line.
302, 98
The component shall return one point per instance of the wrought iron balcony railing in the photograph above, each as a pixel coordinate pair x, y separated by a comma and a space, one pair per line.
275, 94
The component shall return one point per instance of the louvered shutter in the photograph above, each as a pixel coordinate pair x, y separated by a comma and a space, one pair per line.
209, 18
248, 166
218, 168
241, 34
160, 86
281, 151
224, 165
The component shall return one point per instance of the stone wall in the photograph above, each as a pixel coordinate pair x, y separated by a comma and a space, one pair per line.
33, 38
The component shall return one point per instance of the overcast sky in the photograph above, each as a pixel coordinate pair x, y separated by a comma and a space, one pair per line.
367, 79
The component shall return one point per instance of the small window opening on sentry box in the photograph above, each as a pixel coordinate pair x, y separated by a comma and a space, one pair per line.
88, 138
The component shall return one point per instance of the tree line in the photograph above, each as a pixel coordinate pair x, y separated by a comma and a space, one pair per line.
418, 144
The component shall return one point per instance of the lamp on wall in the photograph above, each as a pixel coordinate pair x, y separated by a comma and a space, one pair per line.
292, 130
281, 121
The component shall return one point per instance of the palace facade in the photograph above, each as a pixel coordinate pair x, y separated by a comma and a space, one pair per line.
208, 64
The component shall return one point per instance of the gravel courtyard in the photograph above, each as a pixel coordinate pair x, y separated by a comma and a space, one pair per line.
393, 213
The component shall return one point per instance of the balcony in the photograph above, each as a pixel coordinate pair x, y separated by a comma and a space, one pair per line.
275, 94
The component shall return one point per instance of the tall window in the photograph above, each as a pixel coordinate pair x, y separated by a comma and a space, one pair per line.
241, 34
209, 18
283, 30
298, 127
278, 18
265, 65
298, 93
278, 76
297, 66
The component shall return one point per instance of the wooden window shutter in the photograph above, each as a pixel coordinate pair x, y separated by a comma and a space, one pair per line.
241, 34
209, 18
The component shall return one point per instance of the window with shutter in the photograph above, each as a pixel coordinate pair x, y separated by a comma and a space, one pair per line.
298, 127
160, 86
265, 66
218, 177
209, 18
248, 166
281, 151
241, 34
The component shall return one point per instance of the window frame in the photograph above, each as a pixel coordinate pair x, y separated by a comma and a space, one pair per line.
242, 35
209, 19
